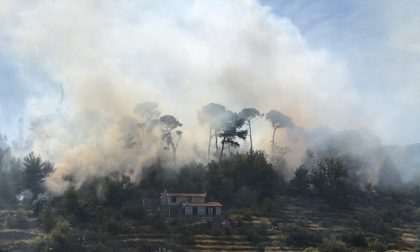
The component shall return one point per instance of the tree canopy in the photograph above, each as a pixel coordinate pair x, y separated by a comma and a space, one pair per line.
249, 115
278, 120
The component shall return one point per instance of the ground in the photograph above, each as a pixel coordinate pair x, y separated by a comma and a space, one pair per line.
177, 235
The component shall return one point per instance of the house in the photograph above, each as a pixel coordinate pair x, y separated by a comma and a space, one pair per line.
188, 204
203, 209
176, 199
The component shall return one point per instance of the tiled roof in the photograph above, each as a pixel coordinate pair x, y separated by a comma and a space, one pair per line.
209, 204
186, 194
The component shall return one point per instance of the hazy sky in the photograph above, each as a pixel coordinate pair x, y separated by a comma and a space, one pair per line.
341, 64
380, 43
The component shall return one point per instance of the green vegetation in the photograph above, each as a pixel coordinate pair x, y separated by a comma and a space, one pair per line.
105, 213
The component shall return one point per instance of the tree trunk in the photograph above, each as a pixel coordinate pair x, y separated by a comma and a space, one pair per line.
272, 145
250, 134
174, 153
208, 151
274, 133
215, 141
221, 152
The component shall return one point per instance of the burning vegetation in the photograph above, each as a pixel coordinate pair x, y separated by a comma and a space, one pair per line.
252, 125
338, 172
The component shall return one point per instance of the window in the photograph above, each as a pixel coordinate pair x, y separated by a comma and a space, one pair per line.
194, 211
173, 199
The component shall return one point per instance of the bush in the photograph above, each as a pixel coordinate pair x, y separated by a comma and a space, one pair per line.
227, 230
114, 226
379, 246
254, 234
260, 248
268, 206
355, 239
185, 237
299, 236
159, 224
61, 238
417, 214
333, 246
100, 247
374, 223
311, 249
17, 220
133, 210
47, 218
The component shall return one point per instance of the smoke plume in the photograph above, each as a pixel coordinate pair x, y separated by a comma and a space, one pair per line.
110, 56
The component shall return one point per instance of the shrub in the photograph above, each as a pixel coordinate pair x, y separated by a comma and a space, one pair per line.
47, 218
254, 234
61, 238
99, 247
311, 249
133, 210
333, 246
417, 214
159, 224
185, 237
299, 236
374, 223
17, 220
355, 239
260, 248
227, 230
379, 246
114, 226
268, 206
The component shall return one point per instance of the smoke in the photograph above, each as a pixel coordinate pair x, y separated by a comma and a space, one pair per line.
110, 56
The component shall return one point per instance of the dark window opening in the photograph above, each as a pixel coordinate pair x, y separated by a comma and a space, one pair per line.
195, 211
173, 199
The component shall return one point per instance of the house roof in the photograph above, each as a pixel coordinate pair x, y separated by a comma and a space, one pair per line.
205, 204
186, 194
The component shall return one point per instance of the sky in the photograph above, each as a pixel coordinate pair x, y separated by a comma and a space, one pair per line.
379, 42
339, 64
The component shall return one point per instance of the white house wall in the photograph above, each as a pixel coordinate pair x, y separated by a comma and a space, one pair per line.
218, 211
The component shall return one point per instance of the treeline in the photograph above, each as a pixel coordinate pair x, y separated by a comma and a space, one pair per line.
114, 204
225, 128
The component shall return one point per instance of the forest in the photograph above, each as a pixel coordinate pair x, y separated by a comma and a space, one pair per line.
97, 213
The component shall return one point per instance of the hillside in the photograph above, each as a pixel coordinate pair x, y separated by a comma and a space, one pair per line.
257, 231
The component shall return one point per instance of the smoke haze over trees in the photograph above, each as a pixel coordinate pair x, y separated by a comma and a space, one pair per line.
92, 110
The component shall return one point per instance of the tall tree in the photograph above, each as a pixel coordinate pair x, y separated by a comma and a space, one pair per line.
231, 130
278, 120
171, 136
212, 114
34, 173
250, 115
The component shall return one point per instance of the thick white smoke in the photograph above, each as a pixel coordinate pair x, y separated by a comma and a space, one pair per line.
111, 55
